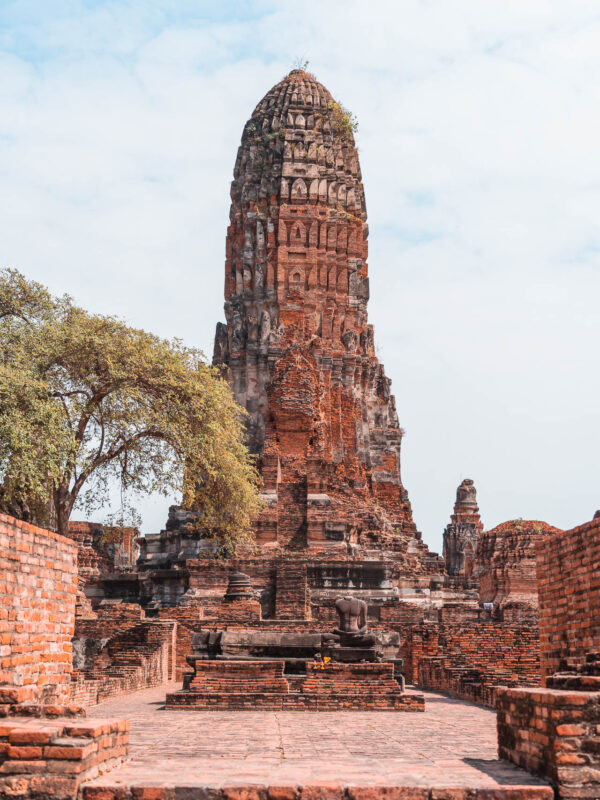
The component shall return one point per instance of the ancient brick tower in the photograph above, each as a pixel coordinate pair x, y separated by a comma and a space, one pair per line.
462, 533
297, 343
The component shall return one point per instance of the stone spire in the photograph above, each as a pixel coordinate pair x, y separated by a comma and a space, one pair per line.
461, 535
297, 343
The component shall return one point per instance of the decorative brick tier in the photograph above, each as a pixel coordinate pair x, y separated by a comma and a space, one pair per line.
43, 759
232, 685
355, 687
554, 734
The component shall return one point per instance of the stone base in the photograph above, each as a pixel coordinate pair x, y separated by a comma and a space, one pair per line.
247, 685
351, 655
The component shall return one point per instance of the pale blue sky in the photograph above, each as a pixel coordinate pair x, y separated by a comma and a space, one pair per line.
478, 138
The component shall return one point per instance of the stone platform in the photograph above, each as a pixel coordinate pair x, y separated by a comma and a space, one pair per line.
231, 685
447, 753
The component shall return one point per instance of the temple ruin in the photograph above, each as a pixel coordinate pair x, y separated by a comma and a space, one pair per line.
341, 607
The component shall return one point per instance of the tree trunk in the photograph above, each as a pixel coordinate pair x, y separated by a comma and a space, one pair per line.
63, 505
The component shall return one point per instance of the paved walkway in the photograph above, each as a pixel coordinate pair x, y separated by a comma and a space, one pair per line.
452, 744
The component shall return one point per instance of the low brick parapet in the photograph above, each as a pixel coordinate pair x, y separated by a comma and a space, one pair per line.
43, 758
555, 734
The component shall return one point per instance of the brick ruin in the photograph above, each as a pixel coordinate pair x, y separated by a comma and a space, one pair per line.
297, 345
462, 533
46, 749
506, 567
299, 353
555, 731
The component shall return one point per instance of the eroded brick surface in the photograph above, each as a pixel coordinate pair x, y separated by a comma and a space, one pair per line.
297, 343
555, 732
506, 567
38, 585
50, 759
569, 594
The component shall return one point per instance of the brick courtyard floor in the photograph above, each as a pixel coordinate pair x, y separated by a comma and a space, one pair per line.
452, 744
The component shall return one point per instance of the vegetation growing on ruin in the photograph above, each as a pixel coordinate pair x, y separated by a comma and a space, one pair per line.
343, 122
86, 399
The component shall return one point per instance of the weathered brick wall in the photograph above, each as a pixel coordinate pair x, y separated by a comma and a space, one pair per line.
469, 659
139, 657
568, 567
38, 587
505, 564
291, 599
110, 620
50, 759
555, 734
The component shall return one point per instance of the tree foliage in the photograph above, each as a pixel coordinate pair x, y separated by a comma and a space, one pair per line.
85, 399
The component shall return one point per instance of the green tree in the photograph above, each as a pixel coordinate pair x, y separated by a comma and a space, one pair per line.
85, 399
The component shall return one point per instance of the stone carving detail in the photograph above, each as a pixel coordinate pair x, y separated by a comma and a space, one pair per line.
462, 534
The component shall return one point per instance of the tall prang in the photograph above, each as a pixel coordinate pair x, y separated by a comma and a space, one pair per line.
297, 343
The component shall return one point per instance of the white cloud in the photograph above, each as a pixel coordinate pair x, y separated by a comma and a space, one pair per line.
119, 124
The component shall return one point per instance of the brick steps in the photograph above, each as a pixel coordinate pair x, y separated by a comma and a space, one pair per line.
235, 685
326, 790
131, 660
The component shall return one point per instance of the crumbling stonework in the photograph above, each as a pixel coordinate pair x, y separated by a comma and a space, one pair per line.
297, 345
101, 552
53, 758
506, 567
471, 658
461, 535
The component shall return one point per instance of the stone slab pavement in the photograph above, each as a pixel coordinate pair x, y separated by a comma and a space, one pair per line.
451, 744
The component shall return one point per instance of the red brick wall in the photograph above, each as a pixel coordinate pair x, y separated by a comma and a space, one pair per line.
139, 657
468, 659
38, 587
506, 566
52, 758
555, 734
568, 568
292, 601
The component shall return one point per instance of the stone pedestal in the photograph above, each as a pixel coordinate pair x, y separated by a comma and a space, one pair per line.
239, 685
351, 655
232, 685
355, 687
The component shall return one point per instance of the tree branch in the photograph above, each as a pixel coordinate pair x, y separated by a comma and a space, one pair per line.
111, 455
